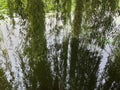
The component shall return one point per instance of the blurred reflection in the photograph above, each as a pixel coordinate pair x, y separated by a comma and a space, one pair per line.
84, 66
66, 55
4, 84
111, 73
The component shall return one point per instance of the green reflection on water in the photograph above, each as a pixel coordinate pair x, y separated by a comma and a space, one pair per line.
74, 63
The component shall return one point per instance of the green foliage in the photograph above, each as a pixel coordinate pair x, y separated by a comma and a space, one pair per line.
1, 36
3, 8
4, 84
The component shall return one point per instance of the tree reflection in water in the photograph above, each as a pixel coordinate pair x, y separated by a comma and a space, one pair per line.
69, 59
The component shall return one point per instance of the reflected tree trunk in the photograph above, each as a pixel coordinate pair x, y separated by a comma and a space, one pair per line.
75, 43
36, 50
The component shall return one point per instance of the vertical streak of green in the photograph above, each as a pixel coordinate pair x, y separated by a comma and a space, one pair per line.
37, 50
77, 18
66, 12
75, 42
64, 58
